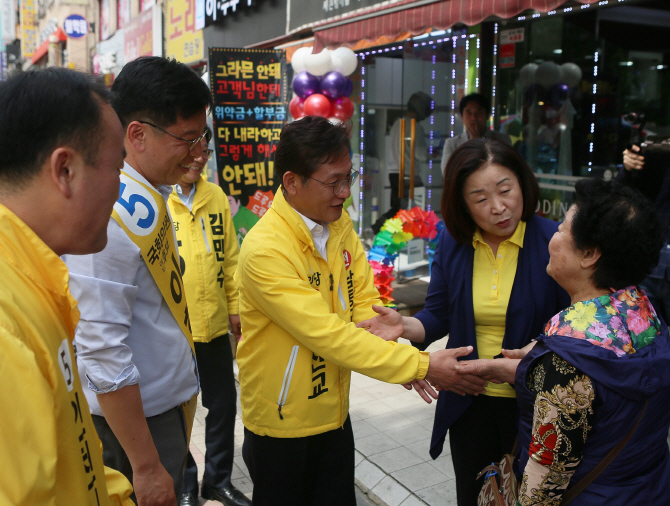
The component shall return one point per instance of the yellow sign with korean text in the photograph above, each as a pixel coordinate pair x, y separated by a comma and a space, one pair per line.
28, 27
184, 43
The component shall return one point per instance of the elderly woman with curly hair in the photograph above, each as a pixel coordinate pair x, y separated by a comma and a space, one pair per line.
602, 363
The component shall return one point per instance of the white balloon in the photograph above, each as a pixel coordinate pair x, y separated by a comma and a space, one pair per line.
548, 74
318, 64
298, 59
571, 74
344, 60
336, 121
527, 74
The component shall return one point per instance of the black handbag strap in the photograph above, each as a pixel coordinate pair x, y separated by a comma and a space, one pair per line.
595, 472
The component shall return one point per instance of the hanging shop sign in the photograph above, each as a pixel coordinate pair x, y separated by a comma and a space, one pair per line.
218, 10
3, 66
7, 21
250, 108
512, 36
307, 13
75, 26
140, 38
28, 27
184, 41
507, 55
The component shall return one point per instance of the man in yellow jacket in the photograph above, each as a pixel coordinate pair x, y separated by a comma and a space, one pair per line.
208, 250
304, 284
61, 148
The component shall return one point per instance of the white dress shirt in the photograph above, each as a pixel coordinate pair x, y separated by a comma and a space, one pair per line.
320, 234
187, 200
127, 334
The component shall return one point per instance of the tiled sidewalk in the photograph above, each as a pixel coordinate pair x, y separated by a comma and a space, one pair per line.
392, 430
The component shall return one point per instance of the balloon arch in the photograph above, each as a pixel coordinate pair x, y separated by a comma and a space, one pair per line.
321, 85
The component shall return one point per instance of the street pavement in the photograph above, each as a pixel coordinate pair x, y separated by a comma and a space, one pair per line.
392, 430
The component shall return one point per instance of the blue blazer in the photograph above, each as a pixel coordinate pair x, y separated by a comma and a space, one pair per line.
535, 298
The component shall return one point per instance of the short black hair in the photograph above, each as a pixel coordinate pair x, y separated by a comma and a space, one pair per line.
41, 110
420, 104
475, 97
159, 89
623, 224
307, 143
468, 158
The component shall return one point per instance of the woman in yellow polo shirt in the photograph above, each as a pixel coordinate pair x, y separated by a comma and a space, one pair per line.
489, 289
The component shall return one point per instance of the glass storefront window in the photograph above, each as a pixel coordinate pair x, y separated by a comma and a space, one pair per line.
565, 82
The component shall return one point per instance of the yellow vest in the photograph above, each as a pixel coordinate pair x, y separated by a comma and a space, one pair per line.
299, 316
50, 450
208, 249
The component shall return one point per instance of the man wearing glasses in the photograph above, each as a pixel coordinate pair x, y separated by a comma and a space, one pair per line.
208, 250
304, 283
134, 343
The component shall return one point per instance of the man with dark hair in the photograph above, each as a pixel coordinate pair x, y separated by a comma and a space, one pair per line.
475, 110
134, 343
304, 284
55, 198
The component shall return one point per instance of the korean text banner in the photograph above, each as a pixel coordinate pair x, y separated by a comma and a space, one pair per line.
250, 108
183, 41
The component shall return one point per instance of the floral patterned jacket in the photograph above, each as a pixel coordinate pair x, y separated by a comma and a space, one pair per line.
567, 399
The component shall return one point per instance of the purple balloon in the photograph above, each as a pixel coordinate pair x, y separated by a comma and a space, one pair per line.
558, 94
350, 87
333, 85
305, 84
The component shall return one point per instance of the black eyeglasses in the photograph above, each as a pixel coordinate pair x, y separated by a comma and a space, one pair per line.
191, 143
206, 153
339, 185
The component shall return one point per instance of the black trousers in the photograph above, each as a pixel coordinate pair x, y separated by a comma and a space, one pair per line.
219, 396
308, 471
482, 435
168, 430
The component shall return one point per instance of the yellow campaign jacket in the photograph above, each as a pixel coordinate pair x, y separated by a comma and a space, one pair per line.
51, 454
299, 316
208, 253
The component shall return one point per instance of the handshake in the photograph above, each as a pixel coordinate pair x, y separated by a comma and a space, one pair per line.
445, 371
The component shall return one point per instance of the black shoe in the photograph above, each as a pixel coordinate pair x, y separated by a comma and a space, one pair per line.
188, 500
229, 496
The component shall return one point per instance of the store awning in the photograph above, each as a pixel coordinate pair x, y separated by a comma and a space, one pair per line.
44, 47
409, 18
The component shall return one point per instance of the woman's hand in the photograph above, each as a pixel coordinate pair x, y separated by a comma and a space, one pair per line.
499, 370
388, 325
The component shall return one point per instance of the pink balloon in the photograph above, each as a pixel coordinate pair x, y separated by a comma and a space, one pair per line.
317, 105
342, 108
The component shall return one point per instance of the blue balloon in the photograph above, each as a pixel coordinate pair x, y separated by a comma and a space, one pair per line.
333, 85
305, 84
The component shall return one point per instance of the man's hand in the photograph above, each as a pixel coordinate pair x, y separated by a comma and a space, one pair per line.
154, 487
631, 161
235, 326
422, 388
442, 372
388, 325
